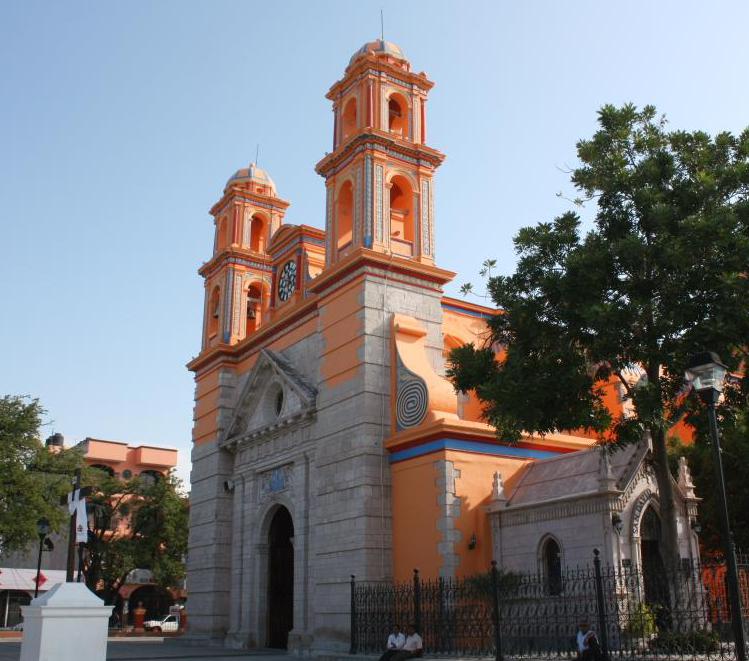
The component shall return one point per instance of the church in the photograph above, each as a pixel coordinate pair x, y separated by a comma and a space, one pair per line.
327, 441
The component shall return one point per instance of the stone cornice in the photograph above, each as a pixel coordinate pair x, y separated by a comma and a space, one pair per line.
235, 255
372, 65
383, 142
235, 193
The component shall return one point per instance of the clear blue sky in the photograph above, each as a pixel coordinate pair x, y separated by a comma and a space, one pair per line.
121, 121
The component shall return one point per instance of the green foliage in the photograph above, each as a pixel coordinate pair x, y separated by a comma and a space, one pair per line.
699, 456
700, 641
507, 582
659, 277
33, 479
641, 622
137, 525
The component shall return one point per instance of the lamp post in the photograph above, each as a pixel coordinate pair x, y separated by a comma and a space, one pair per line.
707, 373
42, 529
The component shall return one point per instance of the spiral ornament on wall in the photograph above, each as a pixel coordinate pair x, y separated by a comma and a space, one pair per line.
412, 398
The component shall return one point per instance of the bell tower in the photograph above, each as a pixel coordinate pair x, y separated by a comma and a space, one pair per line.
238, 277
379, 175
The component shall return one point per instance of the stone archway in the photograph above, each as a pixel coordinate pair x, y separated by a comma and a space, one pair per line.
280, 579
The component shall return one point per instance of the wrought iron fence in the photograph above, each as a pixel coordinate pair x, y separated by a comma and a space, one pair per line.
635, 615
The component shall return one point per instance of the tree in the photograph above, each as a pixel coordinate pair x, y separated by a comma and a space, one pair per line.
735, 445
32, 478
137, 524
660, 276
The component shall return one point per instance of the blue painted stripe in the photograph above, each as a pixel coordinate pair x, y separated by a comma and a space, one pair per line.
470, 313
471, 446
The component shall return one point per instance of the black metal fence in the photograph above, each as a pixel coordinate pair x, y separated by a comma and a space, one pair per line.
635, 615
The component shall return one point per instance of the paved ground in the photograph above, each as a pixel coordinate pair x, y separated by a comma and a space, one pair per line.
151, 650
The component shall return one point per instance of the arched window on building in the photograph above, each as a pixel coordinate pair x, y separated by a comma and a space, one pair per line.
258, 233
402, 216
348, 120
150, 477
102, 467
254, 308
344, 215
398, 115
551, 566
214, 312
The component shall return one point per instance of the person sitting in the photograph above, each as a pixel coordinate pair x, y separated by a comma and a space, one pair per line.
588, 647
396, 641
412, 648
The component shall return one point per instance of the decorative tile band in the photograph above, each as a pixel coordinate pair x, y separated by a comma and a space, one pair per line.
379, 192
470, 313
426, 219
476, 447
368, 200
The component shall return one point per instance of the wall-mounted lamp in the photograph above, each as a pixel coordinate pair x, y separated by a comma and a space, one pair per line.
695, 525
617, 523
229, 486
472, 542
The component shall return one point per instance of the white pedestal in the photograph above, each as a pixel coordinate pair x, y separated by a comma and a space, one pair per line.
68, 623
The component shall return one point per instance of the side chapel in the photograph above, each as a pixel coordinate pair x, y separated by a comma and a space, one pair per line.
327, 441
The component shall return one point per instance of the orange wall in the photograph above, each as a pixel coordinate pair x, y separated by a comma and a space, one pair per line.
474, 488
415, 514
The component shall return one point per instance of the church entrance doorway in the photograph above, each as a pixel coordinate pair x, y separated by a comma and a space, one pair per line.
280, 579
653, 569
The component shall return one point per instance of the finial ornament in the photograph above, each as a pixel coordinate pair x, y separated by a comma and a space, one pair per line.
498, 487
382, 26
685, 478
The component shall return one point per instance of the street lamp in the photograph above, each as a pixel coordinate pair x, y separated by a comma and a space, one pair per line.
42, 529
707, 373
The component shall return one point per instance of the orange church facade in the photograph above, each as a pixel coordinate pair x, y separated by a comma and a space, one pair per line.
327, 440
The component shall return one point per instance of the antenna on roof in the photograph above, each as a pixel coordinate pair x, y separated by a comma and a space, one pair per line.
257, 153
382, 26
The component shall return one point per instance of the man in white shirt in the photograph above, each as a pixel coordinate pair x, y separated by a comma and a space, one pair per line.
588, 648
412, 648
396, 641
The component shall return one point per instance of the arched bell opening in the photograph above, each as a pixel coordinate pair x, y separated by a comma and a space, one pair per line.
256, 304
258, 233
398, 115
222, 234
214, 312
344, 216
348, 120
402, 216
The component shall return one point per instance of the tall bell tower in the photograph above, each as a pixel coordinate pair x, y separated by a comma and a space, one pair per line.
379, 174
238, 277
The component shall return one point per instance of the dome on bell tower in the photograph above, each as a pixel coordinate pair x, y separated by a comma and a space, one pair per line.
379, 47
255, 176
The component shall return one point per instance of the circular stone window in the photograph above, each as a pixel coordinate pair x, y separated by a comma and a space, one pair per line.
127, 473
278, 403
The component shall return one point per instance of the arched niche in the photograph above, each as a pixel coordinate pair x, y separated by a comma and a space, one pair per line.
349, 119
345, 215
550, 563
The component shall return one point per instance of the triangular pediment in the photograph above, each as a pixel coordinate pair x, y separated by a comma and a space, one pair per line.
273, 395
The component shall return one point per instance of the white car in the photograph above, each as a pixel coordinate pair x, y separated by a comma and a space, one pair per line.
169, 623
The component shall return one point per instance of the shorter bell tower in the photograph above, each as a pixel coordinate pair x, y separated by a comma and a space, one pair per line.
238, 277
379, 176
